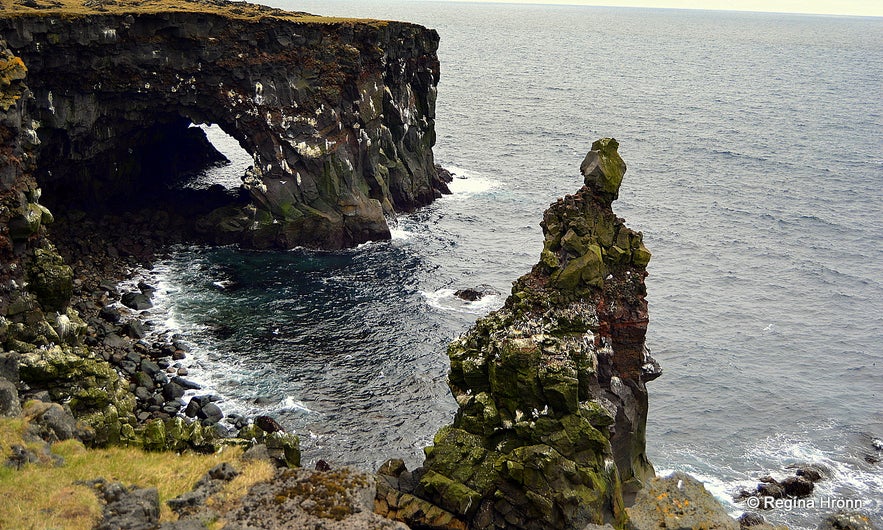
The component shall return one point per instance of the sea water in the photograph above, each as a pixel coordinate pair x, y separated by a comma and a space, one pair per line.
755, 151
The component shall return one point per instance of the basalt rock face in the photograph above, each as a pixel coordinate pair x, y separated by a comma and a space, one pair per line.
551, 388
337, 114
40, 336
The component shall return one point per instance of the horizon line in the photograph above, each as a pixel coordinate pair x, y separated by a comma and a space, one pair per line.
690, 5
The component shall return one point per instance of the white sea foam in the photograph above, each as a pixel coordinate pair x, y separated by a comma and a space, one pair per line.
468, 183
292, 404
399, 233
445, 300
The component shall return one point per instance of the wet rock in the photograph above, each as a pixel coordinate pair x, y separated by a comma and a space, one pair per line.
142, 394
474, 294
236, 420
186, 383
210, 412
770, 489
134, 329
150, 368
797, 487
172, 390
146, 288
811, 472
115, 342
110, 314
110, 288
136, 300
749, 519
268, 424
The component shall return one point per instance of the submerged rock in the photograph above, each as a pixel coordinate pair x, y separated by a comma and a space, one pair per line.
473, 294
552, 403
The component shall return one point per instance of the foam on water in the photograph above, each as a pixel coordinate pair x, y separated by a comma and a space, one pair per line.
467, 183
445, 300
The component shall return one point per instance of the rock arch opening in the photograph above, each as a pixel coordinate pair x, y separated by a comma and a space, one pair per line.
170, 165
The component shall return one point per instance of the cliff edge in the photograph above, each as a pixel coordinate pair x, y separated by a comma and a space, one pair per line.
338, 114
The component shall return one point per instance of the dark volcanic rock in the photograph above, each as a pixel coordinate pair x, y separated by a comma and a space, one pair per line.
552, 402
797, 487
477, 293
749, 519
210, 412
299, 498
136, 301
127, 508
268, 424
339, 115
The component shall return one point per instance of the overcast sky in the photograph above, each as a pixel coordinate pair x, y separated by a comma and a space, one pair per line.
835, 7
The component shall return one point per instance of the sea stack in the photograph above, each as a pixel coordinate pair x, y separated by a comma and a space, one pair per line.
551, 387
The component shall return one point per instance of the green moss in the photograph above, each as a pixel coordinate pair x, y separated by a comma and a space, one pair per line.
641, 256
50, 279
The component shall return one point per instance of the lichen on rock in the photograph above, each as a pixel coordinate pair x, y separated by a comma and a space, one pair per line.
552, 404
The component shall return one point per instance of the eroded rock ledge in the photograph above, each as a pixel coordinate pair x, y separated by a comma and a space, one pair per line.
551, 388
337, 114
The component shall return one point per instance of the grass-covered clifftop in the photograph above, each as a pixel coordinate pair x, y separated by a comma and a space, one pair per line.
239, 10
44, 494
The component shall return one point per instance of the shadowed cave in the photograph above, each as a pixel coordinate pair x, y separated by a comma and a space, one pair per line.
151, 168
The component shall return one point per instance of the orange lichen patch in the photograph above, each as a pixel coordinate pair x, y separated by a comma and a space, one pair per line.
239, 10
12, 71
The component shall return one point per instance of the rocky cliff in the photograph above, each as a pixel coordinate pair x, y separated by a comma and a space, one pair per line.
551, 388
337, 114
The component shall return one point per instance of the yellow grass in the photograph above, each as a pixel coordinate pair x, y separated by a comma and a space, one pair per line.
41, 497
239, 10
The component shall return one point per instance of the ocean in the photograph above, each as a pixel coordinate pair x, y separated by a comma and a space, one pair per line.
755, 151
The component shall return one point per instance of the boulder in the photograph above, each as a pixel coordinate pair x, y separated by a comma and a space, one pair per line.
210, 413
268, 424
9, 404
136, 300
678, 502
127, 508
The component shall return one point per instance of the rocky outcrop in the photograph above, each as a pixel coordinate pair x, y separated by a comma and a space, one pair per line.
678, 502
298, 499
337, 114
551, 388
